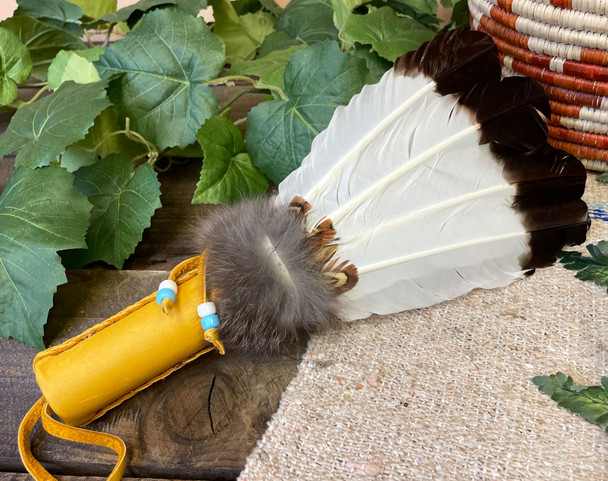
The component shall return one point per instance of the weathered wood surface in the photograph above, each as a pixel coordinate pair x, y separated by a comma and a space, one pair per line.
199, 423
27, 477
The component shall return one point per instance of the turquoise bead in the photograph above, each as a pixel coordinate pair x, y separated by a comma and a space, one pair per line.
210, 321
163, 294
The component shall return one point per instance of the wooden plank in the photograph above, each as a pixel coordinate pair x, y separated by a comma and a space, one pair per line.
199, 422
27, 477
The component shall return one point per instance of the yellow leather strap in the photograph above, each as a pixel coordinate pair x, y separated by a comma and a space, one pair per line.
42, 410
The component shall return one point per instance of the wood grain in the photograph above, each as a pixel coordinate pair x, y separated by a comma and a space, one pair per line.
199, 423
27, 477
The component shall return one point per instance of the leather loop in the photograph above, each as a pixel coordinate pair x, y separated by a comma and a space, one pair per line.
42, 410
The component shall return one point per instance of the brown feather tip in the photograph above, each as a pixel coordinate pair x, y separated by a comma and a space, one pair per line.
299, 206
266, 276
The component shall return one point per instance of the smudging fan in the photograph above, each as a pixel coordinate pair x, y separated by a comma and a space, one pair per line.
433, 182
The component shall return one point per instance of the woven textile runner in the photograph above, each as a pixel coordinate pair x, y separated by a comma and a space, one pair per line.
446, 392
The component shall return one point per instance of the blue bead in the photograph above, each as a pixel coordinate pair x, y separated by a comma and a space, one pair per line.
210, 321
163, 294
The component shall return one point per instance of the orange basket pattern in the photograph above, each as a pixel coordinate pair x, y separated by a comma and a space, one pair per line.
563, 44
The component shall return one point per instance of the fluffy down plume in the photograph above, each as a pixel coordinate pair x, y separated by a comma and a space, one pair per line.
439, 180
433, 182
263, 277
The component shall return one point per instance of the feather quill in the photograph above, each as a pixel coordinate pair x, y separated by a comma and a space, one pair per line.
439, 180
433, 182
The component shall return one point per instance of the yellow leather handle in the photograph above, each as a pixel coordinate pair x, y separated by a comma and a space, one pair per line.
42, 410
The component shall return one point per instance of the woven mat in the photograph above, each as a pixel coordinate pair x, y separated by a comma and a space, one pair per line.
446, 393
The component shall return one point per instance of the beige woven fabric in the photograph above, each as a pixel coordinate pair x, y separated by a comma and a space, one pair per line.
445, 393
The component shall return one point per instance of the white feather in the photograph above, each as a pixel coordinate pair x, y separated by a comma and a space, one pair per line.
418, 205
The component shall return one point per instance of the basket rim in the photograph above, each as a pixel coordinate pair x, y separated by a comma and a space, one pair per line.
553, 15
552, 33
485, 23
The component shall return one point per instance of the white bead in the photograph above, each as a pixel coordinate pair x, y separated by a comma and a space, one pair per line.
168, 284
206, 309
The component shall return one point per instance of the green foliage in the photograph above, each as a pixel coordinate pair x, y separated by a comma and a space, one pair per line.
342, 10
123, 203
309, 21
155, 100
227, 174
74, 65
317, 80
591, 402
96, 8
269, 69
133, 13
59, 13
242, 34
40, 213
594, 268
389, 35
43, 129
42, 40
104, 138
603, 178
193, 7
376, 65
278, 40
162, 67
15, 67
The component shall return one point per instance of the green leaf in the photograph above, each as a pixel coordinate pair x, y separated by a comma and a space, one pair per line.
269, 69
391, 36
460, 15
227, 174
241, 7
96, 8
123, 204
424, 6
448, 4
258, 25
376, 65
42, 40
40, 213
309, 21
603, 178
242, 35
429, 19
107, 122
272, 7
193, 7
127, 18
165, 62
343, 9
133, 13
594, 268
62, 10
59, 13
43, 129
591, 402
317, 80
15, 65
278, 40
74, 65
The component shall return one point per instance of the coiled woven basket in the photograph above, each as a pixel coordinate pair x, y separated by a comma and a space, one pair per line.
562, 44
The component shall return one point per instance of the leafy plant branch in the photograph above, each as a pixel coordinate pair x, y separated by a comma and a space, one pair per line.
160, 78
259, 86
152, 152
